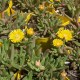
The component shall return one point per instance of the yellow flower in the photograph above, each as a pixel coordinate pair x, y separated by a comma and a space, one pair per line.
9, 10
49, 7
64, 76
65, 20
47, 4
28, 17
10, 4
0, 44
65, 34
41, 7
17, 75
51, 10
30, 31
16, 35
60, 29
57, 42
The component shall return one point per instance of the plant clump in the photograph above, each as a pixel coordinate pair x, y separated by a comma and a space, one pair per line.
39, 39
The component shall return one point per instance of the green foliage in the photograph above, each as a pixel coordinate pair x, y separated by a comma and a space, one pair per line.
28, 60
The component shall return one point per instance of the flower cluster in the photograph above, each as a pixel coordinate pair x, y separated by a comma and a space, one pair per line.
17, 35
36, 40
62, 33
65, 34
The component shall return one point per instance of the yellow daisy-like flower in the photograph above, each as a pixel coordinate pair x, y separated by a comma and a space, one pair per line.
41, 7
66, 34
16, 35
30, 31
57, 42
